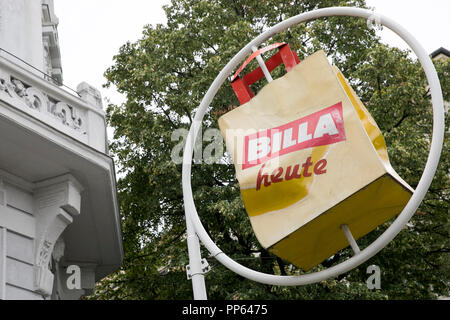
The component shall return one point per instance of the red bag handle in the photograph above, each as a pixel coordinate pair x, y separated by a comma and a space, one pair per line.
241, 86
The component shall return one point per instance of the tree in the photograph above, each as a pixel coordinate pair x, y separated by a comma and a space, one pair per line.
165, 75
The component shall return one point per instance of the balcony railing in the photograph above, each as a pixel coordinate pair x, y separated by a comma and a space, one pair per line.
80, 117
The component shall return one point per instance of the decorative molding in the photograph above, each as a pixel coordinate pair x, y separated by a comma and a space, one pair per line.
6, 85
67, 115
52, 54
56, 200
11, 68
62, 191
34, 99
44, 244
9, 178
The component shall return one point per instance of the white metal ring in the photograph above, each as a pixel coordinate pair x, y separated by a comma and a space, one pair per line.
400, 221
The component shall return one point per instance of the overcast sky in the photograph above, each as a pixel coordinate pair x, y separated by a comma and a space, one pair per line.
92, 31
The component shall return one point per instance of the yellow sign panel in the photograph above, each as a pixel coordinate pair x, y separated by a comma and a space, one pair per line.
309, 157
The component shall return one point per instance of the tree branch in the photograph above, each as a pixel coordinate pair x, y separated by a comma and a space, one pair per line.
236, 9
188, 114
443, 250
399, 122
281, 265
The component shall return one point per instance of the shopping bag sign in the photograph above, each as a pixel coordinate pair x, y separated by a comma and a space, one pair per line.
318, 129
301, 176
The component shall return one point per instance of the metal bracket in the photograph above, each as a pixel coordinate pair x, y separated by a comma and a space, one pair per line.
205, 269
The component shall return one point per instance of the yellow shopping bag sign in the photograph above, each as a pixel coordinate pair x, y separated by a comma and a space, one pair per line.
310, 158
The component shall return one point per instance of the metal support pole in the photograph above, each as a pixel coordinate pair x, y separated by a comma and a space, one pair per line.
262, 65
195, 262
350, 239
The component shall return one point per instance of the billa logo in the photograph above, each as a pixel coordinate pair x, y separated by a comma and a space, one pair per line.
320, 128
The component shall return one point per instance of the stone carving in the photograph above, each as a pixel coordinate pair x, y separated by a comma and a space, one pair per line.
51, 220
39, 101
5, 84
43, 277
32, 97
44, 253
36, 99
19, 88
4, 87
67, 115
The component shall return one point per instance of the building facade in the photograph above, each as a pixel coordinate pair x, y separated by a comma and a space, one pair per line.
59, 215
442, 54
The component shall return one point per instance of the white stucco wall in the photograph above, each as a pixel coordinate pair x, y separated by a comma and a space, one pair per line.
21, 30
17, 226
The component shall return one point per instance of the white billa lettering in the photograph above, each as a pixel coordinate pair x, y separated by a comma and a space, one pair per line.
374, 281
74, 280
258, 148
325, 125
303, 134
276, 141
287, 140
